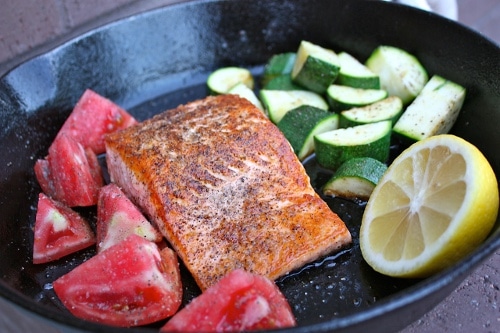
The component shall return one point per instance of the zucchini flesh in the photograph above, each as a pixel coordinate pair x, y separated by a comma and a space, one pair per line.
400, 72
433, 112
279, 102
244, 91
389, 108
223, 79
354, 74
343, 97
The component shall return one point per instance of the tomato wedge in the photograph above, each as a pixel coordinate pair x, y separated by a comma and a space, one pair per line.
129, 284
74, 172
240, 301
118, 217
42, 173
92, 118
59, 231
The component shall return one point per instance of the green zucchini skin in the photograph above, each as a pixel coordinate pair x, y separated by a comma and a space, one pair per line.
316, 78
334, 158
331, 155
300, 124
355, 74
282, 82
356, 178
278, 65
315, 67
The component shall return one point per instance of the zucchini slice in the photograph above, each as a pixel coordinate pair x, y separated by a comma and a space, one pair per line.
223, 79
343, 97
282, 82
355, 179
301, 124
400, 72
315, 67
433, 112
354, 74
370, 140
244, 91
278, 65
278, 102
389, 108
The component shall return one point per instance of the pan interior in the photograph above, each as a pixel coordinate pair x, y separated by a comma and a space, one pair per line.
157, 60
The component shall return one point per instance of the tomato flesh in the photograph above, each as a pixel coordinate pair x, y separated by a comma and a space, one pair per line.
240, 301
59, 231
92, 118
118, 217
129, 284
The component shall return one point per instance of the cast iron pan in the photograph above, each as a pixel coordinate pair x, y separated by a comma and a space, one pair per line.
156, 60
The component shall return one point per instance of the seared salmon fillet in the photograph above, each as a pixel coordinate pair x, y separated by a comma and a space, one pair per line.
225, 188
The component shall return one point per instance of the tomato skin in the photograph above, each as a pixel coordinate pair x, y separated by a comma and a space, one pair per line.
42, 173
59, 231
118, 217
240, 301
129, 284
94, 168
75, 173
92, 118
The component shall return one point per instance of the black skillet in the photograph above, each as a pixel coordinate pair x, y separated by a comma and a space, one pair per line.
159, 59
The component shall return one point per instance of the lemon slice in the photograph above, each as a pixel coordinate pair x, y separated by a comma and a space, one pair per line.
436, 202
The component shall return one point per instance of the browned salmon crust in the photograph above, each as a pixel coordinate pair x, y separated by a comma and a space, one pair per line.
226, 190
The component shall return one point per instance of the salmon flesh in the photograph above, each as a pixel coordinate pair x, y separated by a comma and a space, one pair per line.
225, 188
